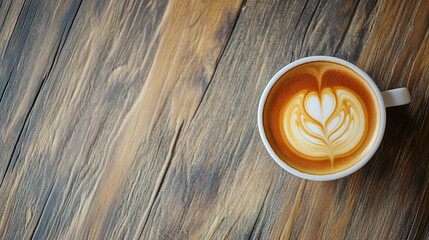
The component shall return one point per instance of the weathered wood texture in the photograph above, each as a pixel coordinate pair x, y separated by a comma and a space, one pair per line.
94, 97
137, 120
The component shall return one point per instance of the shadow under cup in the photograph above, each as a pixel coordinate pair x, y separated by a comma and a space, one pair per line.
325, 140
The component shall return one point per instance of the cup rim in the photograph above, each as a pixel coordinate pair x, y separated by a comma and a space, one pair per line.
337, 175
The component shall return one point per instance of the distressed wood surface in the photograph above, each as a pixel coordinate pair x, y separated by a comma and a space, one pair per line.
137, 120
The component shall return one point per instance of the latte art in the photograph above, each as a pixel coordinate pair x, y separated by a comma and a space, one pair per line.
321, 117
324, 125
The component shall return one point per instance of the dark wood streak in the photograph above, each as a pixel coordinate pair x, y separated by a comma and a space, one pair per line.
159, 181
137, 120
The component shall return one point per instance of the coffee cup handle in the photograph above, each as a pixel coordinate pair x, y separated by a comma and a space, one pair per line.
396, 97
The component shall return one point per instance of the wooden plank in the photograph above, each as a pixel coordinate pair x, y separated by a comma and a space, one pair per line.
24, 64
221, 182
94, 97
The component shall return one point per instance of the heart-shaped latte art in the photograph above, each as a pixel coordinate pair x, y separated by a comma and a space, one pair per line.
324, 125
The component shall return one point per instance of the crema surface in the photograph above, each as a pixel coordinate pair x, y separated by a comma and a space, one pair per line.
321, 117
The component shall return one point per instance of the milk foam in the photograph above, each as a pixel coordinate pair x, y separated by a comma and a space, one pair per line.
326, 124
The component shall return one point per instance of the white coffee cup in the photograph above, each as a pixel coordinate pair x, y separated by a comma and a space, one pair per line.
390, 98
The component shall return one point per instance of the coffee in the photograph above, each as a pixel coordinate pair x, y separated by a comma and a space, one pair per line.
321, 117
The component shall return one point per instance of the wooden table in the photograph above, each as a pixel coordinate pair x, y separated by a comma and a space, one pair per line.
137, 120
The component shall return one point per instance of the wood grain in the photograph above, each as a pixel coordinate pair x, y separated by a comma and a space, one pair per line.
86, 87
137, 120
